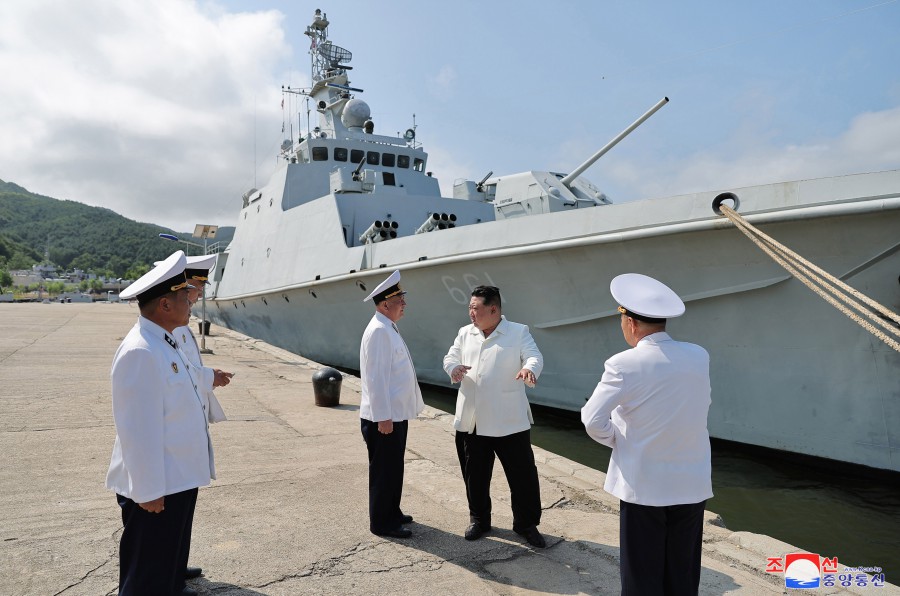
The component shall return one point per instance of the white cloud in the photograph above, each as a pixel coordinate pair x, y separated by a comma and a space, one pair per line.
153, 110
868, 144
148, 109
441, 84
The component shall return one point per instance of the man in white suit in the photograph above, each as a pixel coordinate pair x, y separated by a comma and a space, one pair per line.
390, 398
162, 452
197, 275
651, 407
493, 359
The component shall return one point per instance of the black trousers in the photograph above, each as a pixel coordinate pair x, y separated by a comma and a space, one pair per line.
153, 552
660, 549
386, 453
476, 459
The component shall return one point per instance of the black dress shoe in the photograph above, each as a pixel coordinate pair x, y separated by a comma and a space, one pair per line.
476, 531
186, 591
192, 572
406, 519
533, 537
398, 532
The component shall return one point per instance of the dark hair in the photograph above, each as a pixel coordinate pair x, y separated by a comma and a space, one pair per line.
490, 295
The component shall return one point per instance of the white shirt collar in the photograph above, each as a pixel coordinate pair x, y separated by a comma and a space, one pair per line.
655, 338
501, 327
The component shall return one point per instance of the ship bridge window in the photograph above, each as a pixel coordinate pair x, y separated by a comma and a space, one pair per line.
419, 164
340, 154
320, 153
388, 178
403, 161
387, 159
372, 158
356, 156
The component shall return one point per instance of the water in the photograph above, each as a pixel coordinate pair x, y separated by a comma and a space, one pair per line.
833, 513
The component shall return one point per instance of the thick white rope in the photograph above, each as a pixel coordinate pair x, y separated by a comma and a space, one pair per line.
810, 275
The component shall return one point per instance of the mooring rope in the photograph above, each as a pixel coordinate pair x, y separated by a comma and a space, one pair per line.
810, 275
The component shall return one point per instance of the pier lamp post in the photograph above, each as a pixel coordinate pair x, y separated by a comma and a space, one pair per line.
205, 232
187, 243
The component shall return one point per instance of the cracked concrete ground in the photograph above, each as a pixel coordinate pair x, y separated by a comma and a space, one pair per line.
288, 515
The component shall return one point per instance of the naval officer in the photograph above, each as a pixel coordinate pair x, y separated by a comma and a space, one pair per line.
651, 407
390, 398
162, 451
197, 275
492, 359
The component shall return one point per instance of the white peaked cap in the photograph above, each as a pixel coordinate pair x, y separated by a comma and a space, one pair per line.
645, 296
158, 280
201, 262
386, 289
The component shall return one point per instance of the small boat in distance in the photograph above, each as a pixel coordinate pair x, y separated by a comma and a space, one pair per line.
347, 206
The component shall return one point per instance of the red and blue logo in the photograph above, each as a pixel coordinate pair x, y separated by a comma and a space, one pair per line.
807, 571
802, 571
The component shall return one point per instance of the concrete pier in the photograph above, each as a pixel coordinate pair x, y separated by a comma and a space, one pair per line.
288, 514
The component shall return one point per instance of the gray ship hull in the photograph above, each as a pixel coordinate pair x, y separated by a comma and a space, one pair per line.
789, 371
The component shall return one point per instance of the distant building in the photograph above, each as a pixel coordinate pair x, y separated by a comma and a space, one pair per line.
24, 277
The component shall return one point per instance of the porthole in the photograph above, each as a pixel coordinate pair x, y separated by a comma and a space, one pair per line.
285, 297
271, 202
268, 252
313, 294
361, 286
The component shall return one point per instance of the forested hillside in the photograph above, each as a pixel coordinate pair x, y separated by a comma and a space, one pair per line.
79, 236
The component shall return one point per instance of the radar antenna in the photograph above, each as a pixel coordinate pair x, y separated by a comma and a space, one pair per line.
328, 60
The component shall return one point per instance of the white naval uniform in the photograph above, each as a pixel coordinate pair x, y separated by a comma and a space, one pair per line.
490, 400
162, 442
651, 407
188, 343
389, 387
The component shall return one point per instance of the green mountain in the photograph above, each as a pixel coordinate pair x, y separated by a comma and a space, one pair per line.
79, 236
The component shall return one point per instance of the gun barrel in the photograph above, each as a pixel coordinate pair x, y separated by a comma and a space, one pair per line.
567, 180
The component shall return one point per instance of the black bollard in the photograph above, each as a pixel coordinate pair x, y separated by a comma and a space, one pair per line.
327, 387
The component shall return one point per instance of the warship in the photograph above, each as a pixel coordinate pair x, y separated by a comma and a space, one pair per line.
347, 206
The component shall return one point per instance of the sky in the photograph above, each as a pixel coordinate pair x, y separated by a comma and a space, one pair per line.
168, 111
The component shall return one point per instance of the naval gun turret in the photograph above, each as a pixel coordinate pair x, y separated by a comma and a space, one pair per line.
536, 192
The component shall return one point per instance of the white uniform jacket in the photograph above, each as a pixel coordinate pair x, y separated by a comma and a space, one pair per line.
651, 407
188, 343
162, 442
389, 387
490, 400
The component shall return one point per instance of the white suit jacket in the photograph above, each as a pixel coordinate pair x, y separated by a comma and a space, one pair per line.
389, 387
490, 400
651, 407
188, 343
162, 442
